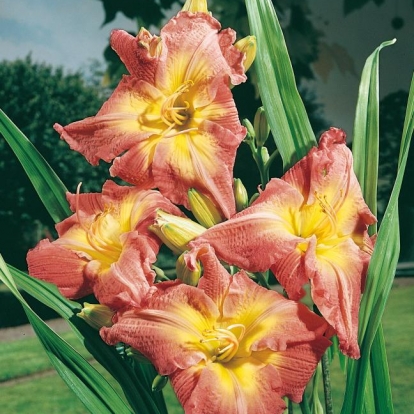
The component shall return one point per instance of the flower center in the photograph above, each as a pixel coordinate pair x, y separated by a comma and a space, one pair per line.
174, 110
227, 343
319, 219
102, 235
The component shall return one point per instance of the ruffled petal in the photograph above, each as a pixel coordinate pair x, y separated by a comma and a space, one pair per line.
295, 365
243, 386
139, 54
215, 281
61, 267
261, 234
128, 280
168, 327
336, 290
125, 119
271, 321
206, 54
200, 161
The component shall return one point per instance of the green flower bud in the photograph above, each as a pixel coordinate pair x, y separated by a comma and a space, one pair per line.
240, 195
204, 210
188, 276
160, 381
176, 232
248, 46
195, 6
96, 315
261, 127
251, 134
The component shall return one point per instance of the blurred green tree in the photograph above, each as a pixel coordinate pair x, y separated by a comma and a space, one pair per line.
35, 96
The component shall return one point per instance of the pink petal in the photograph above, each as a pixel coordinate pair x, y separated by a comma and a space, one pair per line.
240, 386
128, 280
215, 281
201, 161
168, 327
115, 128
295, 365
336, 290
207, 53
60, 266
261, 234
271, 321
135, 53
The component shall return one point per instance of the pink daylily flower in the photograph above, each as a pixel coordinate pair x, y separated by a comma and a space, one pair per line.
105, 247
228, 346
309, 225
172, 124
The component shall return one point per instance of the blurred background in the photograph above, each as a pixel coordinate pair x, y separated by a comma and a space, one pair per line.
56, 66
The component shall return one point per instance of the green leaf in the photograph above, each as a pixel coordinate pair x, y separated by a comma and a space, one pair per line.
135, 383
379, 282
365, 143
51, 190
87, 383
284, 108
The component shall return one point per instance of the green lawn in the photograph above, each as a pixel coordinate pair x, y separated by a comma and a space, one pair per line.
47, 393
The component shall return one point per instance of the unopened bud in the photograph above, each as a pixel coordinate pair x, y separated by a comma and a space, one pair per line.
188, 276
195, 6
97, 315
240, 195
261, 127
160, 381
248, 46
204, 210
265, 154
251, 134
176, 232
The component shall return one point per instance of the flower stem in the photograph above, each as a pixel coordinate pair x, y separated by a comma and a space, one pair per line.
327, 384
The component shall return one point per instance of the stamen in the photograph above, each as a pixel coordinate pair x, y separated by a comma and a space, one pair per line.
328, 210
176, 115
228, 341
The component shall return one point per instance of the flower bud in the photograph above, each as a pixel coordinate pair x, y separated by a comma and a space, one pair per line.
195, 6
97, 315
240, 195
204, 210
176, 232
188, 276
251, 134
247, 45
160, 381
261, 127
265, 154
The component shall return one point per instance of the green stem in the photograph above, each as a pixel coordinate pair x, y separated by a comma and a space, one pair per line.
290, 407
327, 384
304, 405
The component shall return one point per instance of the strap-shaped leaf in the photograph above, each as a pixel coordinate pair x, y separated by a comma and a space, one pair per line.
135, 383
379, 282
47, 184
285, 111
365, 142
87, 383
